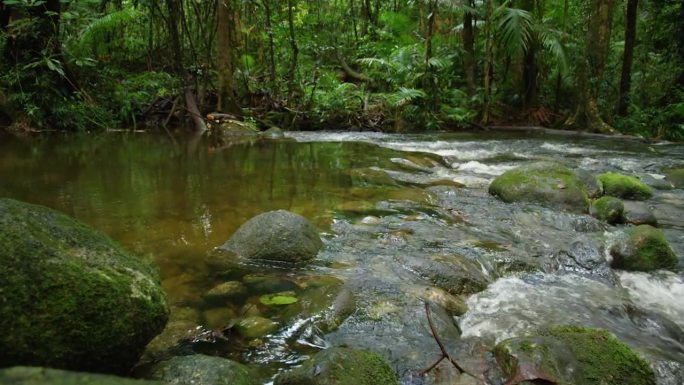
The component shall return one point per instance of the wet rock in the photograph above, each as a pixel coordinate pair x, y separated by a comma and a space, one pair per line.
169, 338
340, 366
231, 127
624, 186
572, 355
218, 318
592, 185
675, 176
273, 133
609, 209
343, 306
453, 273
644, 249
276, 236
584, 257
371, 176
542, 182
70, 297
455, 305
225, 291
24, 375
255, 327
669, 372
264, 283
199, 369
658, 183
638, 213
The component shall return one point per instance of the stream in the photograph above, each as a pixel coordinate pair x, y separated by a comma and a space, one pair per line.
392, 210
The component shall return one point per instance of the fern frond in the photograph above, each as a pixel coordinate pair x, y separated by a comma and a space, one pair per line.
515, 29
405, 96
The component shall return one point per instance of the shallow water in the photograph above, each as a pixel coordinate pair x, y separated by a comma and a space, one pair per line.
385, 204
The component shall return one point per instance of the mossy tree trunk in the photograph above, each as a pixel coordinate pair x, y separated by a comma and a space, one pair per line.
590, 68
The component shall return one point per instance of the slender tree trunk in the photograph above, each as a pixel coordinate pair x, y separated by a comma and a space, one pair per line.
529, 78
489, 57
559, 78
224, 47
469, 48
295, 49
590, 71
680, 38
429, 74
352, 15
271, 48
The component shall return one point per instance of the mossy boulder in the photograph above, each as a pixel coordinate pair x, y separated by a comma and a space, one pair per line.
279, 236
645, 248
570, 355
341, 366
609, 209
547, 183
71, 298
624, 186
199, 369
23, 375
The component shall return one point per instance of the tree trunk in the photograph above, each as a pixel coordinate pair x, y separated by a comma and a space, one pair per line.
271, 48
590, 70
630, 38
469, 48
431, 85
529, 78
295, 49
224, 47
680, 37
489, 57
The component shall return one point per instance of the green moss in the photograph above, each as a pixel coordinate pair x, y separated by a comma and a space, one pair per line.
341, 366
71, 297
609, 209
603, 358
543, 182
646, 249
675, 176
623, 186
571, 355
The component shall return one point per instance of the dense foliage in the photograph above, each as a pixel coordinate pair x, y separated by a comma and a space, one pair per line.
396, 65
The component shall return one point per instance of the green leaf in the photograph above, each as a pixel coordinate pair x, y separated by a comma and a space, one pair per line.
278, 299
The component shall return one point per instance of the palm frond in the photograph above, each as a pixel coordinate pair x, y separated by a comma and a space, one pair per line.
405, 96
553, 42
114, 21
515, 30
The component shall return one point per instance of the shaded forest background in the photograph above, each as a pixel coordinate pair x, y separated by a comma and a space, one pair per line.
391, 65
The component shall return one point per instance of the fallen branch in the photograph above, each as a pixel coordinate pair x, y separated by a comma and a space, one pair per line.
445, 354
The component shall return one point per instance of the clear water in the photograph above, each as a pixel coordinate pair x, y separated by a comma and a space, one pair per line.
176, 202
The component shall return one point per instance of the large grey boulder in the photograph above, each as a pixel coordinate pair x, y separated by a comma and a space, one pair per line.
71, 298
275, 236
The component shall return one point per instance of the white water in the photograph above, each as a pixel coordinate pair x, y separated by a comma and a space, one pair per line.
661, 292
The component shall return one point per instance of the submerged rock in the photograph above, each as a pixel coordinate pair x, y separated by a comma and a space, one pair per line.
644, 249
24, 375
340, 366
276, 236
70, 297
609, 209
199, 369
624, 186
453, 273
543, 182
573, 356
255, 327
675, 176
638, 213
225, 291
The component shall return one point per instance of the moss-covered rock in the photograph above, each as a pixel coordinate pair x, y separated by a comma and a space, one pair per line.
644, 249
23, 375
276, 236
547, 183
69, 296
200, 369
341, 366
571, 355
255, 327
624, 186
609, 209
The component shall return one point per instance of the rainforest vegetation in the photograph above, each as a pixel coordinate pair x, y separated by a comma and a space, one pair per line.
391, 65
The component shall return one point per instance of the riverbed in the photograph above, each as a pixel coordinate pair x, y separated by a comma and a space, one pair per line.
389, 208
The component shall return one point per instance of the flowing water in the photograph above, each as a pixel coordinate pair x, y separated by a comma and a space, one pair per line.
392, 210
